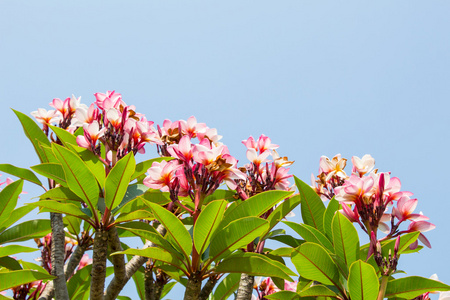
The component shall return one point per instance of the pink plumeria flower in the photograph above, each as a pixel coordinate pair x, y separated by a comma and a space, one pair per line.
111, 98
47, 117
333, 167
85, 260
92, 133
354, 189
405, 208
192, 128
264, 143
256, 159
363, 165
422, 226
211, 135
250, 143
182, 150
161, 175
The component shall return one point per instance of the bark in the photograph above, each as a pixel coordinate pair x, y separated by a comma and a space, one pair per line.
245, 289
149, 283
58, 254
117, 260
74, 260
98, 273
131, 267
193, 287
207, 289
159, 285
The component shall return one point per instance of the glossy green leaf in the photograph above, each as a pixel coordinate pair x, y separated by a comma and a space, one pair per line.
227, 286
253, 264
282, 210
149, 233
32, 266
177, 234
283, 252
254, 206
133, 216
10, 263
21, 173
93, 163
14, 249
227, 195
156, 254
34, 133
413, 286
312, 207
405, 241
318, 291
237, 234
142, 167
118, 179
61, 194
64, 136
363, 281
8, 198
138, 279
69, 209
330, 211
14, 278
15, 216
79, 282
52, 171
311, 234
25, 231
283, 295
132, 193
156, 196
345, 239
288, 240
167, 288
79, 178
48, 154
73, 224
207, 222
313, 262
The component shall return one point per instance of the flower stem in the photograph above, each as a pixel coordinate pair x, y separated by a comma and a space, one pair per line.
384, 281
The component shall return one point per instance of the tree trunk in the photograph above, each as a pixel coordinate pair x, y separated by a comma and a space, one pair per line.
245, 289
58, 254
207, 289
98, 273
193, 287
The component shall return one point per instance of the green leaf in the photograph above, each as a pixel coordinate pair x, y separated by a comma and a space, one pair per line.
283, 251
8, 198
135, 215
282, 210
413, 286
363, 281
283, 295
405, 241
345, 238
14, 249
311, 205
79, 282
313, 262
133, 191
227, 195
48, 154
227, 286
53, 171
332, 208
156, 196
10, 263
73, 224
179, 237
79, 178
15, 216
288, 240
92, 161
156, 254
237, 234
14, 278
167, 288
25, 231
254, 206
311, 234
69, 209
253, 264
21, 173
138, 279
118, 179
64, 136
206, 224
142, 167
61, 194
34, 133
318, 291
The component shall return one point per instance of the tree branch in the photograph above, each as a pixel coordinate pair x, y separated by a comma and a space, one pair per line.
98, 273
245, 289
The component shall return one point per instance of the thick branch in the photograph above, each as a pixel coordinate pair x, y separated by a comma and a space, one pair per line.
98, 273
193, 287
131, 267
117, 260
149, 282
245, 289
58, 254
74, 260
207, 289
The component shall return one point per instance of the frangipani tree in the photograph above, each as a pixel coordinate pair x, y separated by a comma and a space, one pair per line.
203, 220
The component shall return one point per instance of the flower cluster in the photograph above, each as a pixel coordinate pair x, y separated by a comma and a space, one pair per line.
109, 121
198, 168
264, 174
366, 196
267, 287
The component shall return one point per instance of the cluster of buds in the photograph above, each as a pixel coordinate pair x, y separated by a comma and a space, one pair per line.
386, 264
267, 287
366, 196
29, 291
197, 169
264, 174
108, 121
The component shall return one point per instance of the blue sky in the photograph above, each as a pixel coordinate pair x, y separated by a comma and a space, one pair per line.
318, 77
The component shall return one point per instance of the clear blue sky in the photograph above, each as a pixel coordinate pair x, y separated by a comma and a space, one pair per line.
318, 77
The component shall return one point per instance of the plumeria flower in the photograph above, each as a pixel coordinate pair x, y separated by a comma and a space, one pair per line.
162, 175
333, 167
182, 150
422, 226
192, 128
92, 133
256, 159
405, 208
363, 165
47, 117
355, 189
107, 100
